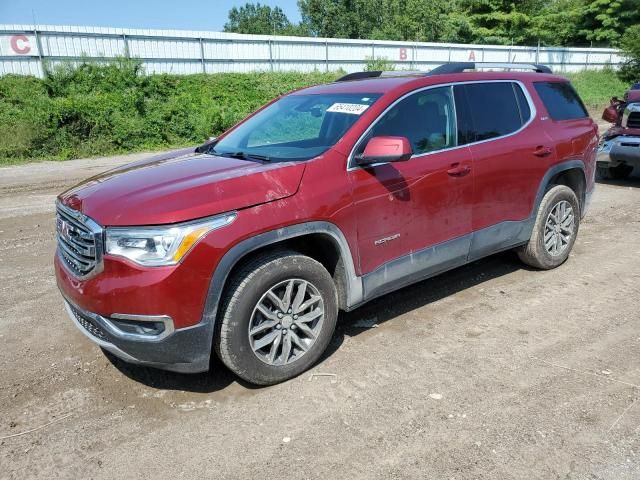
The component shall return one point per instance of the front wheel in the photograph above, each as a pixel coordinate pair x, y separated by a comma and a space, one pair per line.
278, 317
554, 231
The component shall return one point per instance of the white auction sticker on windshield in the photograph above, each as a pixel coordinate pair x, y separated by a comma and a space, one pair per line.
352, 108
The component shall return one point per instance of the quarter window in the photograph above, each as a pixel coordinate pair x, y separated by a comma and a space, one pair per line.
495, 109
426, 118
561, 100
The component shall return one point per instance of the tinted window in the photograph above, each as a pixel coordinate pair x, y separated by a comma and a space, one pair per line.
495, 110
426, 118
561, 100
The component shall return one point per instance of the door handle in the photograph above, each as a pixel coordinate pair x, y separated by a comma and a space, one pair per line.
458, 170
542, 151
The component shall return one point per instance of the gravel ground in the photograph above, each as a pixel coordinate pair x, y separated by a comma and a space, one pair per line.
491, 371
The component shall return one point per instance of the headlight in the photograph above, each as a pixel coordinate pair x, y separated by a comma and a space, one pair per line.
156, 246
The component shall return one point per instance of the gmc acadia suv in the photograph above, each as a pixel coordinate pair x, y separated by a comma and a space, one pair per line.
322, 200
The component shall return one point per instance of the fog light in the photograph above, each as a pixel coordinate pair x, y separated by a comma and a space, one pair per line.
139, 328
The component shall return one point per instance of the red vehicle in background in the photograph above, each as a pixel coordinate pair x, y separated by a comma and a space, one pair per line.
619, 151
322, 200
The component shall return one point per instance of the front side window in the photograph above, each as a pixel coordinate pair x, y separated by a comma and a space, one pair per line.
426, 118
296, 127
494, 109
561, 100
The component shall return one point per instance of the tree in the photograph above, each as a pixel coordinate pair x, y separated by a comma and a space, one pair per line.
413, 20
558, 23
604, 21
334, 18
501, 22
259, 19
630, 46
421, 20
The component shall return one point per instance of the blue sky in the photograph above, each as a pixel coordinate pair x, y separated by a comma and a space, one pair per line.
182, 14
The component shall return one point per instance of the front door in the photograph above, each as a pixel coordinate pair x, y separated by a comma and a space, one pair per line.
403, 208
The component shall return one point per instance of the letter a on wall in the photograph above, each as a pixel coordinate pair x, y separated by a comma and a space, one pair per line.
472, 56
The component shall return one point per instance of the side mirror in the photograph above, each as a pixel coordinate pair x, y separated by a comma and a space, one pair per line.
610, 114
204, 148
385, 149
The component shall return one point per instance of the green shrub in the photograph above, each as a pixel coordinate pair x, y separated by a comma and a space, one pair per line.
103, 108
630, 46
375, 64
95, 109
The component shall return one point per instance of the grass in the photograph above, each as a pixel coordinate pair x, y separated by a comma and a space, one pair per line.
597, 87
96, 110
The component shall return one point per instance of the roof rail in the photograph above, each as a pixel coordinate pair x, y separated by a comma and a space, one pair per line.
459, 67
378, 74
454, 67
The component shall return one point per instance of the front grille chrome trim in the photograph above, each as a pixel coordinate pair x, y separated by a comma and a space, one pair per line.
81, 249
631, 116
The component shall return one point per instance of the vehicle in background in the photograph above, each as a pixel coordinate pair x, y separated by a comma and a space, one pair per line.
322, 200
619, 150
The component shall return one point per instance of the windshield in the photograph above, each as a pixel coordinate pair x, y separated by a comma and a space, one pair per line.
296, 127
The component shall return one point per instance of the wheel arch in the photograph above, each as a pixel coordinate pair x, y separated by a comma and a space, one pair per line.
575, 179
570, 173
323, 241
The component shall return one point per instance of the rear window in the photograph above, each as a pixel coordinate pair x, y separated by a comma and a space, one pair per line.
495, 109
561, 100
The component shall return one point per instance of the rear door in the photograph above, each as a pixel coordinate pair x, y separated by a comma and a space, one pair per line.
511, 153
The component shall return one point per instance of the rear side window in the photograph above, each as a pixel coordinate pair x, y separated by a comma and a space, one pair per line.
495, 109
561, 100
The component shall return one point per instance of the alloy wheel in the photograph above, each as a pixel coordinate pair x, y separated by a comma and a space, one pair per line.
286, 322
559, 228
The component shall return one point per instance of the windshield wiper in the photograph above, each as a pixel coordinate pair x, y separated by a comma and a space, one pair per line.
243, 156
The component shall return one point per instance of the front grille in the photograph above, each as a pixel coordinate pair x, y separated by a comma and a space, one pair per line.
88, 324
78, 244
634, 120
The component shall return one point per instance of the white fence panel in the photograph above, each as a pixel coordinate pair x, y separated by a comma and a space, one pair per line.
26, 50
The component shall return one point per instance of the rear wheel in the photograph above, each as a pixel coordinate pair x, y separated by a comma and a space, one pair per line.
619, 172
277, 319
554, 231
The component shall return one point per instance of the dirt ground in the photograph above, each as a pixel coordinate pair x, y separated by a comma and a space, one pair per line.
491, 371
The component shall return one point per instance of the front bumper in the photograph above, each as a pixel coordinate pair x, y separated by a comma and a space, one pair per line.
186, 350
623, 149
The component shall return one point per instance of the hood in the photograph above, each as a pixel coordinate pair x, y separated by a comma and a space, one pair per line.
180, 186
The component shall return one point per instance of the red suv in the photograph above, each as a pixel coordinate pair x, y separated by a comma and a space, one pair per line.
322, 200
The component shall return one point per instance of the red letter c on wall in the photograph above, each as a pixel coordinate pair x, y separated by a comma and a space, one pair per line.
20, 44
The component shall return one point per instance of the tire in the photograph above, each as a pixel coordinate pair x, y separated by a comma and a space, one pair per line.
555, 252
619, 172
248, 304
